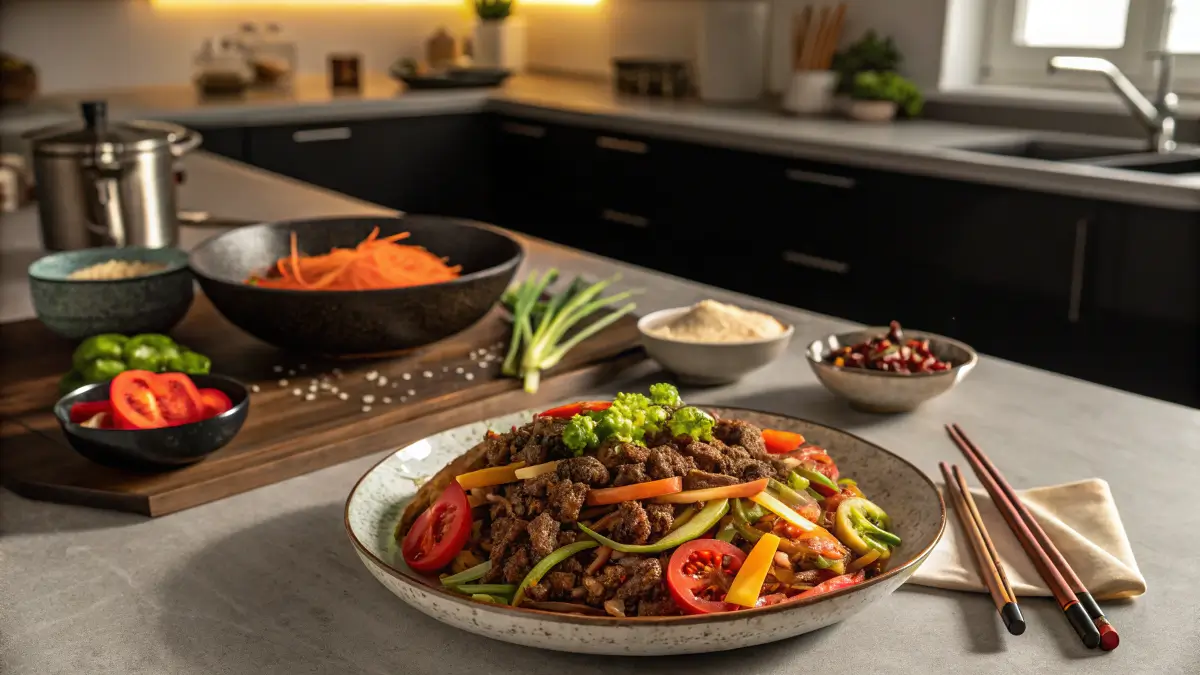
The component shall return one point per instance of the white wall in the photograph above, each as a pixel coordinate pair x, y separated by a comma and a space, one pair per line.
101, 44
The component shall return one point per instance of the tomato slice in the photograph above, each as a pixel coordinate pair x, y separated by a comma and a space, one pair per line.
834, 584
708, 494
440, 532
215, 402
779, 442
86, 410
692, 575
635, 492
572, 409
145, 400
820, 460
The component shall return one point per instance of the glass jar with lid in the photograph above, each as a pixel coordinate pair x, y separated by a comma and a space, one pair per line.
274, 58
221, 69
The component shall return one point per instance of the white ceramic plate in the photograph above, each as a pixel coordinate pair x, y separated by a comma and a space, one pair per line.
379, 497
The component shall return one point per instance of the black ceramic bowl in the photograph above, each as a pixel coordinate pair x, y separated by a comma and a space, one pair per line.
155, 449
356, 322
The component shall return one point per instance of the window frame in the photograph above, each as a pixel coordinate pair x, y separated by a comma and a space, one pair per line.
1007, 63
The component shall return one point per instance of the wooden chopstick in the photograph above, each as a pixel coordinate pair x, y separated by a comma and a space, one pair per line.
986, 557
802, 24
1021, 522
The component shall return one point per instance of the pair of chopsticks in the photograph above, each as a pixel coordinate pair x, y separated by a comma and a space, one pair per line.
985, 552
814, 43
1076, 602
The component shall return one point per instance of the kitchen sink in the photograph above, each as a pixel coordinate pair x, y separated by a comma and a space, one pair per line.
1056, 151
1165, 164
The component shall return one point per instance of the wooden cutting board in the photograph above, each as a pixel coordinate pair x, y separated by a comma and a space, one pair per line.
387, 403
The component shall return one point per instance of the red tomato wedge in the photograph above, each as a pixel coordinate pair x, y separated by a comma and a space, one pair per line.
440, 532
724, 492
694, 575
86, 410
145, 400
834, 584
626, 493
779, 442
572, 409
215, 402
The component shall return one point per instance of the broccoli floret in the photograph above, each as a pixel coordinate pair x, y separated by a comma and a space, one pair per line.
580, 434
692, 422
614, 424
665, 393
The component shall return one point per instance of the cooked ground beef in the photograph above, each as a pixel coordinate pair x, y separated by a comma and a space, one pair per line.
498, 449
698, 480
707, 457
739, 432
545, 441
585, 469
543, 536
658, 607
661, 517
539, 592
517, 565
570, 566
666, 462
633, 525
560, 584
614, 454
628, 474
605, 584
753, 469
524, 499
735, 453
644, 577
566, 498
566, 537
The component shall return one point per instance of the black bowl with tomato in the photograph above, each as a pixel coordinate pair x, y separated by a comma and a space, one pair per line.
143, 421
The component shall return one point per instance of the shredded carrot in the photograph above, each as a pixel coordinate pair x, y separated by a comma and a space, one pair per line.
374, 263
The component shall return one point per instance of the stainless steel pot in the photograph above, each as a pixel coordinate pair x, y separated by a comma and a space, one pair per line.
108, 184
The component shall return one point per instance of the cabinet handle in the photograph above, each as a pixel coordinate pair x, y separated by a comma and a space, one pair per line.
816, 262
321, 135
625, 218
622, 145
1078, 261
820, 178
526, 130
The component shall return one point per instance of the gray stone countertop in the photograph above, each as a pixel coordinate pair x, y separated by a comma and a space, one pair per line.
266, 583
921, 147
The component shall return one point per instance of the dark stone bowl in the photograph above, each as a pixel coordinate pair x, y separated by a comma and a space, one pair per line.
76, 309
358, 323
150, 450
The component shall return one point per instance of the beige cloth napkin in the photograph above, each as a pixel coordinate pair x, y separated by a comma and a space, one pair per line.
1080, 518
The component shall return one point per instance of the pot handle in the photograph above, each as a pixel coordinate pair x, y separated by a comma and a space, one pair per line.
190, 140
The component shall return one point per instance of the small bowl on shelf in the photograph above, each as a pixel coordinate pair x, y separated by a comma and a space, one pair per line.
879, 391
708, 363
154, 450
79, 308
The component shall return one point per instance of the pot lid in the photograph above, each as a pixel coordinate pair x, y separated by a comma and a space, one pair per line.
97, 135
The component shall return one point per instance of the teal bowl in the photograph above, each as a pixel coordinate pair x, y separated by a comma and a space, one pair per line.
76, 309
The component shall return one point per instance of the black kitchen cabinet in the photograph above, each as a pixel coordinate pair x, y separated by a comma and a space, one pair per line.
225, 141
433, 164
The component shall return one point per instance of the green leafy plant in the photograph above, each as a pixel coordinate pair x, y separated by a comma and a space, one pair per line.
493, 10
869, 52
873, 85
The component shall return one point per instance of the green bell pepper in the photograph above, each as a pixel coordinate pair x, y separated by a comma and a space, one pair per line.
797, 482
742, 520
102, 369
546, 564
150, 351
491, 599
103, 346
696, 526
487, 589
468, 575
816, 477
188, 361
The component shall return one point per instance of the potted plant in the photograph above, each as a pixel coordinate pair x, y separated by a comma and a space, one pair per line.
499, 36
869, 52
876, 96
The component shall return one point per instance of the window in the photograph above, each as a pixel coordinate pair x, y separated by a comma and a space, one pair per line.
1024, 34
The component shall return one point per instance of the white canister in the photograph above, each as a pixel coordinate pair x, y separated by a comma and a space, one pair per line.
810, 92
500, 43
733, 50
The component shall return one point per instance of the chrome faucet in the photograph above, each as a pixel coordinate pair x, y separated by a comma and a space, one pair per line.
1158, 116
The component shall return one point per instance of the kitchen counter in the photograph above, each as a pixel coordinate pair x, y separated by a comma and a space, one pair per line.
266, 583
921, 146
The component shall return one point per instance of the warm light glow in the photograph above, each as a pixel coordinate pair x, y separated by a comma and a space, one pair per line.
336, 4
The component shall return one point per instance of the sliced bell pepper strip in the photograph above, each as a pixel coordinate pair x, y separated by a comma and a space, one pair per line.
743, 524
700, 523
546, 564
857, 524
708, 494
495, 475
834, 584
487, 589
770, 503
490, 599
726, 532
527, 472
864, 561
780, 442
86, 410
635, 492
798, 482
818, 481
748, 583
468, 575
572, 409
681, 519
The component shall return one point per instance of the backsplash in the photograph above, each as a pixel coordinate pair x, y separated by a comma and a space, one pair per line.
131, 43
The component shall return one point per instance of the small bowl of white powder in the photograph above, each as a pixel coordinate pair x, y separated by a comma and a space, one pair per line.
712, 342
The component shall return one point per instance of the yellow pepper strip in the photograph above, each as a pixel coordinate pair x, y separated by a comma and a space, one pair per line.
496, 475
536, 470
749, 580
867, 559
770, 503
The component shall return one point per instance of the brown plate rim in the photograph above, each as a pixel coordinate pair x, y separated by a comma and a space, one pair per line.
686, 620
